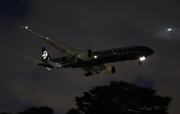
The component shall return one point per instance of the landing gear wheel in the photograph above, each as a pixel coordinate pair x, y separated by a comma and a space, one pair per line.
139, 63
88, 74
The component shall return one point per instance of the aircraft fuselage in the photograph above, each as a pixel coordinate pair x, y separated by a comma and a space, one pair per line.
108, 56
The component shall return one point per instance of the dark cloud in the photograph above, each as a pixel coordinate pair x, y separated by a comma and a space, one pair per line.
15, 8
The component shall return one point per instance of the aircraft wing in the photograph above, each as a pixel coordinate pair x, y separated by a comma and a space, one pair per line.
59, 46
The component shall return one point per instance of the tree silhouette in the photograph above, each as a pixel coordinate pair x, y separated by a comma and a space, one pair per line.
34, 110
5, 113
121, 98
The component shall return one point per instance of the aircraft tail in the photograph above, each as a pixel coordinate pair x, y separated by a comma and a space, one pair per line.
45, 55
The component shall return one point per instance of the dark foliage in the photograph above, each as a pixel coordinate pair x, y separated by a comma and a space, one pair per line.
121, 98
5, 113
34, 110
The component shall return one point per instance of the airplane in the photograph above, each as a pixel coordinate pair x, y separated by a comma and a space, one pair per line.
89, 61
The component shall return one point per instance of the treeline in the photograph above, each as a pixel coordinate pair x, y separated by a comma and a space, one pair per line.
35, 110
116, 98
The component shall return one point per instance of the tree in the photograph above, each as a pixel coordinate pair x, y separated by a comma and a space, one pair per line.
5, 113
121, 98
34, 110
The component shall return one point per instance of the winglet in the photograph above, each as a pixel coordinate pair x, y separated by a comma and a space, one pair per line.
38, 34
24, 27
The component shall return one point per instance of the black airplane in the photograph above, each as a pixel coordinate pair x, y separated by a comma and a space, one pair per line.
89, 61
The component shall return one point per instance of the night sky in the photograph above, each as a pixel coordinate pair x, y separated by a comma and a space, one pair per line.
84, 24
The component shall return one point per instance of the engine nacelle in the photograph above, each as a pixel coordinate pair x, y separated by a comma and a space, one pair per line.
85, 55
109, 70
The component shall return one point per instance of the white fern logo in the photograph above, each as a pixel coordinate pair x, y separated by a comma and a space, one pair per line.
44, 55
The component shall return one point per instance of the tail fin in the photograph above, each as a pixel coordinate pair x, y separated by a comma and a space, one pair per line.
45, 55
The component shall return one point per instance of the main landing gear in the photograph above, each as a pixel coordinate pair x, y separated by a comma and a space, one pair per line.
88, 74
139, 63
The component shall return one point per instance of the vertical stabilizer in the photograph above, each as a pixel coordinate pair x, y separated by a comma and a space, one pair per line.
45, 55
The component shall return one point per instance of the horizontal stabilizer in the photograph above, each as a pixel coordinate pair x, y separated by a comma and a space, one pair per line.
33, 59
38, 62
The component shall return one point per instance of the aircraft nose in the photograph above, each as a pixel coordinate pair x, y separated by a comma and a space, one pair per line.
150, 51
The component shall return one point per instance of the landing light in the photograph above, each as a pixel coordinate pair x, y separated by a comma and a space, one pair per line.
169, 29
142, 58
95, 56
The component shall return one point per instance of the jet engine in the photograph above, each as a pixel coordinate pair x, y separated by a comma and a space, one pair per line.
85, 55
109, 70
